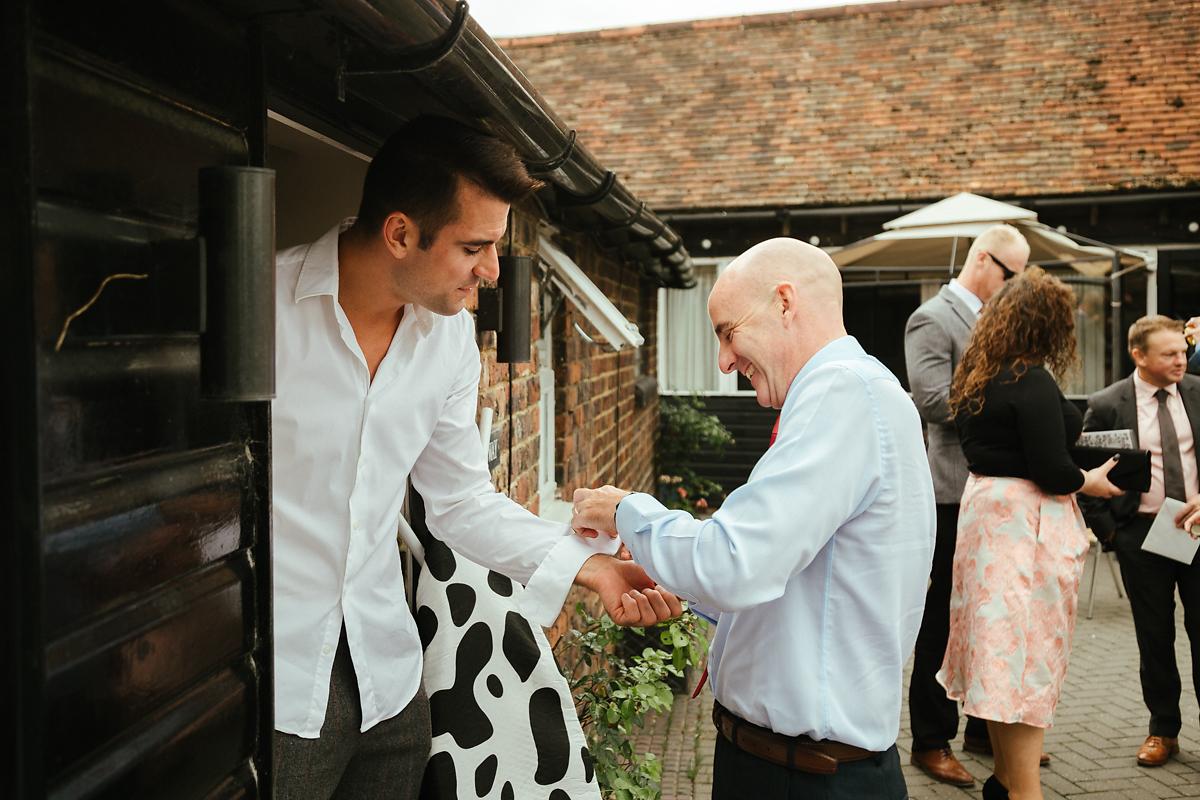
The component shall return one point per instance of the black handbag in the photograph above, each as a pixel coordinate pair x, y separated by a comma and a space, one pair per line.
1131, 472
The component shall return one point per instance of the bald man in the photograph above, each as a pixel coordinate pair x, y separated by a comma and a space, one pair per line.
817, 565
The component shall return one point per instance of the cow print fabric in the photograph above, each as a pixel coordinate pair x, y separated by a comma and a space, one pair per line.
504, 725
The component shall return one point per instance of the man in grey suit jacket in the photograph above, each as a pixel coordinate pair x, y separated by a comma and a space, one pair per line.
934, 341
1160, 404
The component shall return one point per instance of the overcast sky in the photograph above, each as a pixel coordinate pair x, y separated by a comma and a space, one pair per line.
502, 18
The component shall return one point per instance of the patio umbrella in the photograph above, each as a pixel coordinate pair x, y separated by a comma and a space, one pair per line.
937, 237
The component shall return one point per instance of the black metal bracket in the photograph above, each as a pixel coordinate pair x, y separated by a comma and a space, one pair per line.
602, 191
553, 163
553, 298
675, 248
630, 220
412, 60
657, 228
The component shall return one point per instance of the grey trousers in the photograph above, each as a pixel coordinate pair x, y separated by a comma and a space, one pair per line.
387, 761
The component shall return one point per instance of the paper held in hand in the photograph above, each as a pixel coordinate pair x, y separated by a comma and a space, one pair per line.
1119, 440
1167, 540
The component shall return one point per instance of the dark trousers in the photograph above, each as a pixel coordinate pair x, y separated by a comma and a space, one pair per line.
387, 761
1150, 581
933, 716
737, 775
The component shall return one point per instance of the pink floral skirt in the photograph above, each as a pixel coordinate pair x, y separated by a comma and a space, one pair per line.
1017, 565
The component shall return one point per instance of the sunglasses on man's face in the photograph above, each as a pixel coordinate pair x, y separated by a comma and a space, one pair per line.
1008, 273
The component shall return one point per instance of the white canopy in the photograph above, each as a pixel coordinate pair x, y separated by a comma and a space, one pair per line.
938, 236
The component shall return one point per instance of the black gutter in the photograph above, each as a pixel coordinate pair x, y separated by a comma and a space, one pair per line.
477, 76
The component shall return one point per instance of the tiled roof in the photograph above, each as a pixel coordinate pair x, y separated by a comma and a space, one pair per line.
907, 100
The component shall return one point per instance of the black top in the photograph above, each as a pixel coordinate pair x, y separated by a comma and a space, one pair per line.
1023, 431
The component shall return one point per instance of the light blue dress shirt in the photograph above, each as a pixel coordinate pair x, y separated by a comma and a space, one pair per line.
968, 297
818, 564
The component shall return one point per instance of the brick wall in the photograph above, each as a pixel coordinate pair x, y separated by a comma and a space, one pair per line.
600, 435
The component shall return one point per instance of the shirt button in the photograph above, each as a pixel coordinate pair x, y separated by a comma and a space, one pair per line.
326, 650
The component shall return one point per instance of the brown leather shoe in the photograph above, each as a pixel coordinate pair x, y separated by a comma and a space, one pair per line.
1155, 751
983, 747
941, 765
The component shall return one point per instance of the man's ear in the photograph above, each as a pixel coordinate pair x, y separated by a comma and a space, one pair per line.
400, 234
785, 294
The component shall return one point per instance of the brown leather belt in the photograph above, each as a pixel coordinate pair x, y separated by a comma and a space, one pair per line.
793, 752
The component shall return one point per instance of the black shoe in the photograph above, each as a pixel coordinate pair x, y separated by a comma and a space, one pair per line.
994, 790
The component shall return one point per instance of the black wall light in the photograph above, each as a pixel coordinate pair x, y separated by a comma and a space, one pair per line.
507, 310
237, 222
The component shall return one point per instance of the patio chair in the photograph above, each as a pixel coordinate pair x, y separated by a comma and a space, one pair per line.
1097, 554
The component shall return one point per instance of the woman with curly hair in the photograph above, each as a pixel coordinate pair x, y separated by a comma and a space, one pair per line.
1021, 538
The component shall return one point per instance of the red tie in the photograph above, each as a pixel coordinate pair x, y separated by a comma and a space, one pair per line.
704, 675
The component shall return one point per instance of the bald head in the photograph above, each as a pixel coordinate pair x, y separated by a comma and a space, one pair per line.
766, 265
772, 308
995, 253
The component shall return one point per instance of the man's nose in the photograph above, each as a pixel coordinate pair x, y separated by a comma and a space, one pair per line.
725, 359
488, 268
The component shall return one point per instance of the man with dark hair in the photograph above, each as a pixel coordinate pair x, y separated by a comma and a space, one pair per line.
422, 166
377, 375
1160, 404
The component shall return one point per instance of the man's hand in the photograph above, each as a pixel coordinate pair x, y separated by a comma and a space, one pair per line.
595, 511
1188, 516
629, 595
1191, 330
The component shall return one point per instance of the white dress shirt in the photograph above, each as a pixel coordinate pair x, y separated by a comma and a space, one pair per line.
818, 564
1150, 439
344, 446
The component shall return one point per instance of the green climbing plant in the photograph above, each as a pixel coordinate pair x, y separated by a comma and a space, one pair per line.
613, 695
687, 429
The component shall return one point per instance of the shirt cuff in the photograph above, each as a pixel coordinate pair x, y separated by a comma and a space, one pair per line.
634, 509
635, 517
547, 589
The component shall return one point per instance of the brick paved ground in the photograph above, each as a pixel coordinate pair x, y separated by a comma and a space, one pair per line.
1100, 723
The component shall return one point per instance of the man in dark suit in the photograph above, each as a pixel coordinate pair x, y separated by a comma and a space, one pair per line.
1160, 404
934, 341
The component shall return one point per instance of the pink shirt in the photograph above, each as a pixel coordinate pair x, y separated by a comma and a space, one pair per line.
1149, 439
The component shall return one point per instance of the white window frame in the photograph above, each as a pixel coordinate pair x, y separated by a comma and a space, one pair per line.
547, 486
726, 383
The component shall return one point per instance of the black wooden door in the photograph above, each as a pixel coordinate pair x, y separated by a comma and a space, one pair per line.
137, 569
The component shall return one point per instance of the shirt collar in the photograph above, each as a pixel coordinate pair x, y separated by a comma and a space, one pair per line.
319, 275
319, 271
1147, 390
840, 349
967, 296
